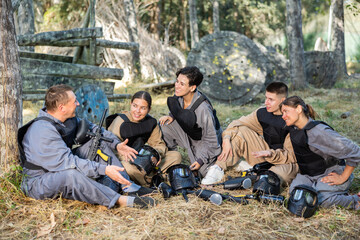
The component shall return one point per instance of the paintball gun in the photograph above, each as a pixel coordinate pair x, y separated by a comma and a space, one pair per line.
84, 133
265, 198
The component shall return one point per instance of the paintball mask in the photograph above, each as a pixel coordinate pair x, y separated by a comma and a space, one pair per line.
181, 177
144, 159
303, 201
267, 182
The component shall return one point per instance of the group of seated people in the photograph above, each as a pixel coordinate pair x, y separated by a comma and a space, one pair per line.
284, 133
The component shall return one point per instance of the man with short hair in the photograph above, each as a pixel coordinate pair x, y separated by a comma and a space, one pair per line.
51, 167
263, 129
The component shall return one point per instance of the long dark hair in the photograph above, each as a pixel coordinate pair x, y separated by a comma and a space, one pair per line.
142, 95
295, 101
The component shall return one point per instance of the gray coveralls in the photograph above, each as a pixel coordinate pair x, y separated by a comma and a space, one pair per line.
204, 151
69, 174
327, 143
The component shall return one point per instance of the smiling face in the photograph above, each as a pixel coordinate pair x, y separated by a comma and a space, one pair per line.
182, 87
291, 115
139, 109
272, 102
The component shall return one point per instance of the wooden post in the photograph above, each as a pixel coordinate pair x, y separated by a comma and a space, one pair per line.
79, 49
25, 19
92, 46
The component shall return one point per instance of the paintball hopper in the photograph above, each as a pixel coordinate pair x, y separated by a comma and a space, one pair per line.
303, 201
237, 183
267, 182
209, 195
144, 160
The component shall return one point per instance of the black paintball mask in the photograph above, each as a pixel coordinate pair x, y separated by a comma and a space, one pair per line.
181, 177
267, 182
303, 201
144, 159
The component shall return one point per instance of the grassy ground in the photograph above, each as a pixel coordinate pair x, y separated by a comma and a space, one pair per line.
25, 218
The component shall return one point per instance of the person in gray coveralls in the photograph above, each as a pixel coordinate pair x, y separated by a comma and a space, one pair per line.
326, 159
192, 123
52, 168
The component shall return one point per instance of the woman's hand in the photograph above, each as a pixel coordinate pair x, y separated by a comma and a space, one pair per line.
165, 120
126, 151
112, 172
226, 150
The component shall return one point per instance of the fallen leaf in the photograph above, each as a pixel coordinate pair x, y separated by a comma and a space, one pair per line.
82, 221
221, 230
44, 230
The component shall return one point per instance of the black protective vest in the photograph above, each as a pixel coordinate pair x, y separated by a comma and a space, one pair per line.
309, 162
67, 133
274, 128
137, 133
187, 117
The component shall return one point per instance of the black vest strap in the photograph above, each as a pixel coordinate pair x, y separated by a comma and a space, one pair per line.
309, 162
137, 133
274, 128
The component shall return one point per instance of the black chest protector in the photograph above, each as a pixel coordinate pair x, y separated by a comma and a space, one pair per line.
67, 133
309, 162
187, 117
137, 133
274, 128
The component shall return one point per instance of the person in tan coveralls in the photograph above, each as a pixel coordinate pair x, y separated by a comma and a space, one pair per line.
263, 129
149, 133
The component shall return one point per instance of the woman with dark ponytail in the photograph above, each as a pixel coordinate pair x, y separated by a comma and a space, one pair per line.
326, 159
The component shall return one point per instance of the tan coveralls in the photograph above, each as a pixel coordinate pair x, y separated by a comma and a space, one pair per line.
246, 136
168, 158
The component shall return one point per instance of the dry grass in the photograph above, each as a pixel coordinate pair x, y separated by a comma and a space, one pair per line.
25, 218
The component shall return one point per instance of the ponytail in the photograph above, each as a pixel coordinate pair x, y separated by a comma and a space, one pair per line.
295, 101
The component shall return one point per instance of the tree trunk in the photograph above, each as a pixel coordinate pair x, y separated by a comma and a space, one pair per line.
295, 44
216, 20
10, 88
337, 37
133, 35
184, 24
26, 20
194, 31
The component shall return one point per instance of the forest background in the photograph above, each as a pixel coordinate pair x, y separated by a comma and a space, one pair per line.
263, 21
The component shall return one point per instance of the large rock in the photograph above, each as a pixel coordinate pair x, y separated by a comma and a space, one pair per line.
235, 68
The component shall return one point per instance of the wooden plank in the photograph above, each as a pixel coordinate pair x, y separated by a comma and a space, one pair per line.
44, 67
166, 84
119, 45
43, 56
37, 83
41, 96
48, 37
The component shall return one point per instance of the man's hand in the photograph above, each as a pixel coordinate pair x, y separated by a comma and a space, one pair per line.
165, 120
334, 179
126, 151
195, 166
226, 150
265, 153
112, 172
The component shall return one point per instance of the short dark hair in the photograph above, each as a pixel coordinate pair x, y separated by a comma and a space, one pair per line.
142, 95
192, 73
279, 88
56, 95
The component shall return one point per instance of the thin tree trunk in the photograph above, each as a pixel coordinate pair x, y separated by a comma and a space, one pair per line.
216, 18
26, 21
184, 24
10, 88
194, 31
338, 38
295, 43
131, 23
